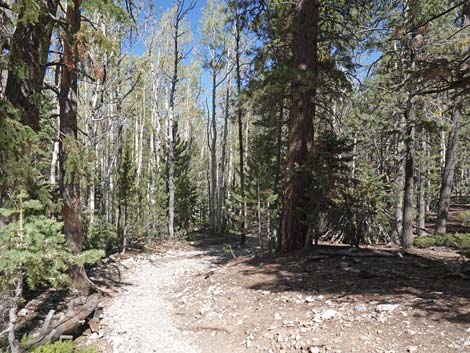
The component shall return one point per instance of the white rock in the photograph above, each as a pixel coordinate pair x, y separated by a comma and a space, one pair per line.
328, 314
412, 349
23, 312
309, 299
360, 307
382, 308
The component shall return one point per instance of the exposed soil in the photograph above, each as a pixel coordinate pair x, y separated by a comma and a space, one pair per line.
205, 300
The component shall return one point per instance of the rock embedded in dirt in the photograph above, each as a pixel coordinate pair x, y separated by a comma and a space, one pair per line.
383, 308
360, 307
328, 314
309, 299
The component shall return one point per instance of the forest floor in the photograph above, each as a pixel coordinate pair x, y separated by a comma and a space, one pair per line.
202, 296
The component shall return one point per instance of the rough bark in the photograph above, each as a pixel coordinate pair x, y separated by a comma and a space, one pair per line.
399, 186
447, 177
408, 210
29, 53
69, 178
67, 324
304, 28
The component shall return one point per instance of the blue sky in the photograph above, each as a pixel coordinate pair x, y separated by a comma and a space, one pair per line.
160, 6
193, 16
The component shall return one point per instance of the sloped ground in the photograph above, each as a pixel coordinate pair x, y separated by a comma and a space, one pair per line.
140, 317
356, 303
206, 298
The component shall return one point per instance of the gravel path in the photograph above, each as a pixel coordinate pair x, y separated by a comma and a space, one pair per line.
140, 318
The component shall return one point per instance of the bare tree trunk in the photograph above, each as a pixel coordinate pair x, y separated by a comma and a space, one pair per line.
293, 227
213, 157
399, 185
408, 209
69, 178
422, 189
55, 151
447, 178
240, 126
221, 191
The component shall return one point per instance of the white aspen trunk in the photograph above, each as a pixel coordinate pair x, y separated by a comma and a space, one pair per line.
213, 157
443, 149
353, 168
171, 185
221, 179
422, 190
55, 152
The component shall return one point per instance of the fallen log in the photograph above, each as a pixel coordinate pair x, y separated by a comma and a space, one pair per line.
65, 325
356, 253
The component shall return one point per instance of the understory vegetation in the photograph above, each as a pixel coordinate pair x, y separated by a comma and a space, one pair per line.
127, 122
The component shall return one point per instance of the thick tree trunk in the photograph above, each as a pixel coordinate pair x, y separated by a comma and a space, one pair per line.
69, 178
29, 53
293, 227
408, 210
447, 177
399, 186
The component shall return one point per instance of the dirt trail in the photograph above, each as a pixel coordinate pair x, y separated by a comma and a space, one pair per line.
140, 318
195, 301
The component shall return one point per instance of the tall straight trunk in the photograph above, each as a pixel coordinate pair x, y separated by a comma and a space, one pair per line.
304, 28
92, 133
55, 150
222, 179
171, 172
240, 128
171, 128
408, 209
69, 178
447, 177
118, 204
29, 52
213, 157
422, 189
118, 163
280, 123
399, 184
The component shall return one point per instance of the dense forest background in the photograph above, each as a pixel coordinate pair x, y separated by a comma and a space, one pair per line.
290, 122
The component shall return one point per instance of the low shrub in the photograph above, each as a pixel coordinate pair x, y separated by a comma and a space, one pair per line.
62, 347
463, 216
454, 240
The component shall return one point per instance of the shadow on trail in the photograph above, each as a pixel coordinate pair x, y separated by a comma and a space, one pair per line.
427, 281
